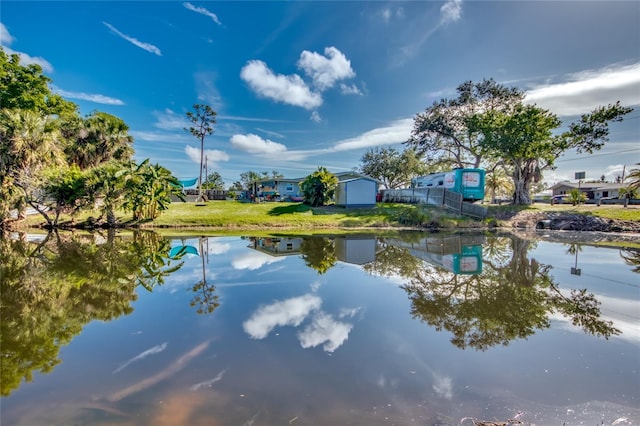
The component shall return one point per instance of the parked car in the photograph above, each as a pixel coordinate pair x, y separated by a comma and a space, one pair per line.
560, 199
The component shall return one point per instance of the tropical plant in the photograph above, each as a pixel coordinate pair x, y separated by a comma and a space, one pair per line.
576, 196
149, 190
318, 188
102, 137
634, 177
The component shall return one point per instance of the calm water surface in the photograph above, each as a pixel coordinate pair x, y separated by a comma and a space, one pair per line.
361, 330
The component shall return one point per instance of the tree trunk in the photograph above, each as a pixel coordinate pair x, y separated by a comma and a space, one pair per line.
523, 175
111, 218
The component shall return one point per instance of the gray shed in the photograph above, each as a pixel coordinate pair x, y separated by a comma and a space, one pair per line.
356, 192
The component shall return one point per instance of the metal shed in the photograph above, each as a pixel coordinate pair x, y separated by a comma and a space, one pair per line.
356, 192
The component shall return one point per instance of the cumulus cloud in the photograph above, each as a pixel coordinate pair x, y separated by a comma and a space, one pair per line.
213, 156
450, 11
6, 39
581, 92
215, 247
288, 89
326, 70
142, 45
254, 260
202, 11
254, 144
286, 312
91, 97
326, 331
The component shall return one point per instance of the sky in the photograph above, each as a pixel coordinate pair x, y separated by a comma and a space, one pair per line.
302, 84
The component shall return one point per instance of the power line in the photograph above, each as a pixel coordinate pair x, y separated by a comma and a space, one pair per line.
598, 155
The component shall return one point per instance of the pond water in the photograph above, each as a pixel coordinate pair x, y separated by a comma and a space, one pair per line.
424, 329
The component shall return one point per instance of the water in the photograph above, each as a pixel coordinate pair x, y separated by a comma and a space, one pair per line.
136, 329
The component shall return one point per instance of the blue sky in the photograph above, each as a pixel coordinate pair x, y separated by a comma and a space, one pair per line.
303, 84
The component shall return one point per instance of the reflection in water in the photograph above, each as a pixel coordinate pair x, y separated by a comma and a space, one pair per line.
512, 298
205, 297
296, 346
52, 288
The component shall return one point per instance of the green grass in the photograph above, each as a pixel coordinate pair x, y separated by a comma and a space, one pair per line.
611, 211
233, 215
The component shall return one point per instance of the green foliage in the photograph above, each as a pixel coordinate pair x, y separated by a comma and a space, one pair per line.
51, 290
101, 137
576, 196
149, 189
319, 253
442, 131
319, 187
634, 178
65, 190
394, 169
247, 178
25, 87
213, 181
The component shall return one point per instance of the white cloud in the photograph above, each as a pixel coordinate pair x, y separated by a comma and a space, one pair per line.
6, 39
215, 247
386, 14
450, 11
580, 93
254, 260
142, 45
326, 331
254, 144
213, 156
91, 97
169, 120
315, 117
399, 131
287, 312
349, 89
326, 70
202, 11
288, 89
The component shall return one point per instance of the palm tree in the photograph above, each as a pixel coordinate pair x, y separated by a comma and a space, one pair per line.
634, 177
29, 144
498, 183
102, 137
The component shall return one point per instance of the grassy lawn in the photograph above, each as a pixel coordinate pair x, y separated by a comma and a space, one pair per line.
233, 215
611, 211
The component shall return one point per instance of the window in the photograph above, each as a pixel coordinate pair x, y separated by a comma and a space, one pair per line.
289, 187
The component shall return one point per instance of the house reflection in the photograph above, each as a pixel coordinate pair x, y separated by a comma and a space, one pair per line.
354, 249
460, 254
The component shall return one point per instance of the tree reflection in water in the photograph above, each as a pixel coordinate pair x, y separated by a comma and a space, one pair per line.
205, 297
51, 289
512, 298
318, 253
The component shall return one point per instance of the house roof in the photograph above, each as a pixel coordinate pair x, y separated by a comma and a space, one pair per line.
590, 185
345, 176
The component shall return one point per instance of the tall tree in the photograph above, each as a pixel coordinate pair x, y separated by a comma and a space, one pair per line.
391, 167
523, 138
29, 144
214, 181
202, 121
442, 131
